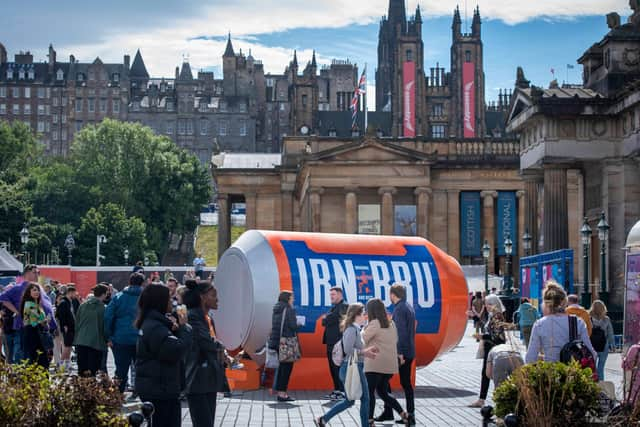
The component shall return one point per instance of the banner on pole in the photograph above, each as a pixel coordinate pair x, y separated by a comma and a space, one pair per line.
507, 221
470, 209
469, 99
409, 99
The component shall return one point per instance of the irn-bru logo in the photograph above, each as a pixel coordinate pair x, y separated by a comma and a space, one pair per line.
363, 277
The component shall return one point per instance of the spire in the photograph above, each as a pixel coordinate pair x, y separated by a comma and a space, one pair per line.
228, 52
418, 15
313, 59
138, 69
295, 58
476, 24
397, 12
521, 80
456, 16
456, 27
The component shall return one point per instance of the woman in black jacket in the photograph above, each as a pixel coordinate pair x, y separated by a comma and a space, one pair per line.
284, 307
204, 364
162, 342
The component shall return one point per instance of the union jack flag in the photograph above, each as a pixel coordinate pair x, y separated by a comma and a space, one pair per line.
362, 84
360, 90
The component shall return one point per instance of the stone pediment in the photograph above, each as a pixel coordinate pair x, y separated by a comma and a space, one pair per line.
521, 102
372, 151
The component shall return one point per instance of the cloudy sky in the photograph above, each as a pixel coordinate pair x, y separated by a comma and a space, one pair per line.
538, 35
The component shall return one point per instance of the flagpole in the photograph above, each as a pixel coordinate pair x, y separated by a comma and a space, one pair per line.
366, 107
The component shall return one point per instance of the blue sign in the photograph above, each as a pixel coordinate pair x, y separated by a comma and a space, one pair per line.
470, 237
363, 277
507, 224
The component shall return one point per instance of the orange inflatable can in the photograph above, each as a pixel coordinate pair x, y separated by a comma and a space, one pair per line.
261, 264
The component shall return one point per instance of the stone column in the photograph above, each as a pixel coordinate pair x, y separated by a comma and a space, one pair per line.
531, 211
522, 207
489, 224
251, 208
422, 211
387, 209
316, 213
351, 210
453, 201
224, 224
555, 217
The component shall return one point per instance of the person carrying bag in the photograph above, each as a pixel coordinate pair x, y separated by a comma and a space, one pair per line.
283, 340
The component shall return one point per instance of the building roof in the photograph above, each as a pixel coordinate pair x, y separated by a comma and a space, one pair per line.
246, 160
138, 68
185, 73
229, 50
570, 92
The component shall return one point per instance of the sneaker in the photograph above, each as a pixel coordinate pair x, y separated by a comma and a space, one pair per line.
286, 399
384, 417
338, 395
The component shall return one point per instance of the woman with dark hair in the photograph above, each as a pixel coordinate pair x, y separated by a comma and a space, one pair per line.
284, 318
204, 363
162, 343
381, 333
33, 319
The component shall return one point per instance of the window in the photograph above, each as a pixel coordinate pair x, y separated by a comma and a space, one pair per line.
222, 128
59, 75
243, 128
169, 128
182, 126
41, 110
78, 105
409, 54
41, 92
437, 110
54, 118
282, 107
15, 92
27, 108
204, 126
63, 119
9, 73
64, 101
21, 74
103, 105
55, 135
79, 77
333, 133
243, 107
27, 92
116, 105
437, 131
31, 74
467, 56
223, 107
16, 109
56, 101
136, 105
63, 134
116, 77
304, 102
78, 125
91, 105
40, 126
3, 92
170, 106
189, 127
3, 108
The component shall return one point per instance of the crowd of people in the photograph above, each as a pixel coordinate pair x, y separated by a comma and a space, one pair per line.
547, 337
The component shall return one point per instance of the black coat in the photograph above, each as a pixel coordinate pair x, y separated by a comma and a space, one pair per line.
158, 353
66, 315
331, 323
204, 363
289, 328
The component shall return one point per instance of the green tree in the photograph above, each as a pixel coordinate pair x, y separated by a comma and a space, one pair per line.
122, 232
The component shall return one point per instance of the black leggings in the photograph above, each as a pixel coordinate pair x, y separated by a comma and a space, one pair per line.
380, 383
485, 381
283, 373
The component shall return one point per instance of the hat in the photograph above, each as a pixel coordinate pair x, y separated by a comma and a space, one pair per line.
137, 268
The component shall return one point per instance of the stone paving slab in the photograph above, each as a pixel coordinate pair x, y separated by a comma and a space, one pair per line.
443, 391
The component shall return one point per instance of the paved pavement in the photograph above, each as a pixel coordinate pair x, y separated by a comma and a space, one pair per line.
443, 391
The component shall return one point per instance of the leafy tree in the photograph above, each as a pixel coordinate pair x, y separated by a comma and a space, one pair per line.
19, 150
120, 230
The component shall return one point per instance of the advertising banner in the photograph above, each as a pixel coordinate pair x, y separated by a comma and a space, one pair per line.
405, 220
470, 211
632, 302
507, 221
409, 99
469, 99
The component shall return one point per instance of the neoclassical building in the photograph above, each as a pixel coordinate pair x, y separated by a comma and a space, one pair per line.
456, 193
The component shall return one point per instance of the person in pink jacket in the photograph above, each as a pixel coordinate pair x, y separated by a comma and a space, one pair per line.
631, 362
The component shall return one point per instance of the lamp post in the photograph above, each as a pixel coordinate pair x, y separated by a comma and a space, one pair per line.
486, 253
526, 242
100, 238
24, 239
603, 235
508, 250
126, 256
70, 244
585, 232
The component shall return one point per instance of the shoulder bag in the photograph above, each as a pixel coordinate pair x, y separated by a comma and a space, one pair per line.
273, 361
289, 348
352, 382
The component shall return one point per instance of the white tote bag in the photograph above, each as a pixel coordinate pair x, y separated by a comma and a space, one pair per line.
352, 383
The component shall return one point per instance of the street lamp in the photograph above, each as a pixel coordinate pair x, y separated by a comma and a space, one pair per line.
586, 232
486, 253
126, 256
70, 244
603, 235
24, 239
508, 250
526, 242
100, 238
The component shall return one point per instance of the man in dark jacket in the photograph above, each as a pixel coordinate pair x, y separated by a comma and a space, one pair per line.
404, 317
119, 330
331, 322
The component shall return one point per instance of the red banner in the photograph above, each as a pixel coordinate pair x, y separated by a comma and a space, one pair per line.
469, 99
409, 99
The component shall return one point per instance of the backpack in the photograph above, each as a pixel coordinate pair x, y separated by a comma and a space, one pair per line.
338, 354
575, 349
598, 338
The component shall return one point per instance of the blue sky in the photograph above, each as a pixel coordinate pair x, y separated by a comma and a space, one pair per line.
536, 35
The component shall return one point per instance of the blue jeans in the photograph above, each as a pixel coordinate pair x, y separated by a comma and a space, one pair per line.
14, 342
124, 356
345, 404
602, 359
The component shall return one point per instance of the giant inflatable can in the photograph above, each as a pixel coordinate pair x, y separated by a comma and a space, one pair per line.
261, 264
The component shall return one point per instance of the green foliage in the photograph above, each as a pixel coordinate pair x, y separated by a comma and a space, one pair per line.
18, 151
32, 397
548, 394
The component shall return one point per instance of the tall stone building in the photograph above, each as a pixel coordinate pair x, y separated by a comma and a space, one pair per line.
580, 155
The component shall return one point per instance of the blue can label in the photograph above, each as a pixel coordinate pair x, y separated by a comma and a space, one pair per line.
363, 277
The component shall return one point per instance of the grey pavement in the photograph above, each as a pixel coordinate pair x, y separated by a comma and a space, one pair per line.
443, 391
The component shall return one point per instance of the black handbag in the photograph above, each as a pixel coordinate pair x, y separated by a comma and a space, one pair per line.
46, 339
